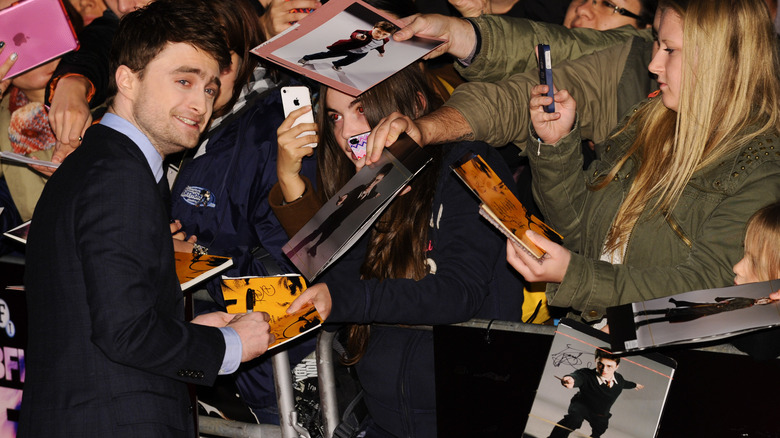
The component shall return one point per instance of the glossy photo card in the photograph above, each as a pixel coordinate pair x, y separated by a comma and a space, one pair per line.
696, 316
346, 45
627, 404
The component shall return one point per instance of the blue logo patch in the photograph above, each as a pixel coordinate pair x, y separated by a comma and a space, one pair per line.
198, 196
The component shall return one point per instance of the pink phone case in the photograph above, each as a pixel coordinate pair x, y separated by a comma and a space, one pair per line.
358, 144
38, 31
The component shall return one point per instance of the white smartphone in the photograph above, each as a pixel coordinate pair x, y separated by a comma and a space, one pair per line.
294, 98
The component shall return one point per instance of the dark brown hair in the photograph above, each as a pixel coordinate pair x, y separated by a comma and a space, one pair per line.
144, 33
241, 26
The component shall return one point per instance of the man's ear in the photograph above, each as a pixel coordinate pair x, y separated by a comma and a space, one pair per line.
126, 82
422, 104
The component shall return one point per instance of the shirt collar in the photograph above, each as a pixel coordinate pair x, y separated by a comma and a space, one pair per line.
151, 154
603, 381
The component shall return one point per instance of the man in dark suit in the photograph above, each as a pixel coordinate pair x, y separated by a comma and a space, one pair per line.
109, 352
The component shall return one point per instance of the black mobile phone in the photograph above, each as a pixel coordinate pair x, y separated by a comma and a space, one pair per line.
545, 73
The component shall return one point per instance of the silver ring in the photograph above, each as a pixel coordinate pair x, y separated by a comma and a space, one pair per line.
80, 139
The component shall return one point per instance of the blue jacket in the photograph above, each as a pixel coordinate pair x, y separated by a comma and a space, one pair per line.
471, 279
222, 197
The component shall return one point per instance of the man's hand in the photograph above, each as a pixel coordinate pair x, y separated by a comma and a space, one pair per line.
568, 382
279, 15
318, 295
553, 266
639, 386
458, 33
213, 319
69, 115
254, 331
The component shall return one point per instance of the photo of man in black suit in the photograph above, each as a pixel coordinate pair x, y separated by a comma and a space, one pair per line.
109, 352
598, 390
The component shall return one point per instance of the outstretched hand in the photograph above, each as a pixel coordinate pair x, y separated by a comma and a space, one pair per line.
281, 14
458, 33
69, 115
553, 266
318, 295
551, 127
387, 131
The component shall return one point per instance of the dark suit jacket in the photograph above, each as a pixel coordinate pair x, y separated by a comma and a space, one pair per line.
108, 350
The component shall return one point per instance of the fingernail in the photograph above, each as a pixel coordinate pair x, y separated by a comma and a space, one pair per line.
13, 56
2, 44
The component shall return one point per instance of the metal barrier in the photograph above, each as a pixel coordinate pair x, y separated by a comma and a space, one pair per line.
327, 386
328, 400
288, 427
236, 429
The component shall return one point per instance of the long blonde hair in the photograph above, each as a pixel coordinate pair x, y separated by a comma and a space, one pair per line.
729, 95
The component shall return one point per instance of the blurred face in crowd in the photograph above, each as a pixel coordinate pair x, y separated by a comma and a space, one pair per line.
602, 14
89, 9
345, 113
122, 7
668, 59
33, 82
228, 79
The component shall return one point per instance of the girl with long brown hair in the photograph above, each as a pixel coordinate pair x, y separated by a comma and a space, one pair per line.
429, 259
662, 209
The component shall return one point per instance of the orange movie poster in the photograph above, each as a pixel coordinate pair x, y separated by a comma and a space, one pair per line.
272, 295
500, 206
